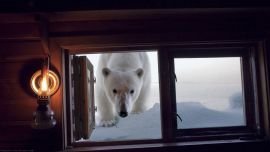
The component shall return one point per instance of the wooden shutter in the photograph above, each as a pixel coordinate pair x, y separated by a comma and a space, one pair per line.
84, 110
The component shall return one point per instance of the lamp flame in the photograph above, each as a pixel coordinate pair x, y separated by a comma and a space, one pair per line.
44, 77
44, 84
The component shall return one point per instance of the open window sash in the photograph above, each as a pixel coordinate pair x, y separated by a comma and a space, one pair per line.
84, 110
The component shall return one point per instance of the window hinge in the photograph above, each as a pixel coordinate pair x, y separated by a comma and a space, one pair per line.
94, 80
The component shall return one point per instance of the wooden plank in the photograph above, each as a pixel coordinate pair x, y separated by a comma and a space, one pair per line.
133, 14
110, 15
21, 110
197, 23
17, 18
116, 26
16, 79
11, 31
20, 50
15, 91
15, 123
11, 71
101, 42
15, 72
16, 133
24, 137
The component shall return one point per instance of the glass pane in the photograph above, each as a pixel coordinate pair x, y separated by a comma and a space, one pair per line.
209, 92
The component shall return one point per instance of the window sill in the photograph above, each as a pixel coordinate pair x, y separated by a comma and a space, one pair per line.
193, 145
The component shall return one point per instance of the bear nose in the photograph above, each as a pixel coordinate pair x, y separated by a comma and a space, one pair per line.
123, 114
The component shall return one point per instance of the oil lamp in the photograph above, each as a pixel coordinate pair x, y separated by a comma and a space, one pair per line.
44, 83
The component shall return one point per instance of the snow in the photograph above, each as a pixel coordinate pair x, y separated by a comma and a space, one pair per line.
136, 126
147, 125
195, 115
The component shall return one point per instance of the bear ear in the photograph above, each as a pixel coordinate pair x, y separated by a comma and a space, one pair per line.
106, 71
139, 72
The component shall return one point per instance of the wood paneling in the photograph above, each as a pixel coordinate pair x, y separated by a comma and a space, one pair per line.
22, 50
16, 77
21, 53
54, 6
17, 111
17, 18
19, 59
16, 131
17, 31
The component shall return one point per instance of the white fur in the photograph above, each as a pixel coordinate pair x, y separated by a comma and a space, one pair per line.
123, 72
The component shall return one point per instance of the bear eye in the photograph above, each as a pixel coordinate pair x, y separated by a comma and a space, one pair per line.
131, 91
114, 91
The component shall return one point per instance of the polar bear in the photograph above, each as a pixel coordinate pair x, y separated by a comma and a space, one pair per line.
122, 86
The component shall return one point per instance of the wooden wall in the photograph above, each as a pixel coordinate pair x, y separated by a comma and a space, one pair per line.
21, 54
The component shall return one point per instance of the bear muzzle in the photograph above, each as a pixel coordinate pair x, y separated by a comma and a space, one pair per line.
123, 106
123, 114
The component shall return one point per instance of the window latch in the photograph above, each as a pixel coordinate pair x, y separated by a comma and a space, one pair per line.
179, 117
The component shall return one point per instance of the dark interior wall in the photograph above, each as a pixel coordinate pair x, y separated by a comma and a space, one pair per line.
21, 53
73, 5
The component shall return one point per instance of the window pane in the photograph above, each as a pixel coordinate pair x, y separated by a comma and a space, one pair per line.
209, 92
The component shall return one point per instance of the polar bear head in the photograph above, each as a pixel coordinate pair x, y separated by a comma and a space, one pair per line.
122, 88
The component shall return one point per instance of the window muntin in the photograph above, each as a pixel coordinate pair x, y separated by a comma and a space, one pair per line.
209, 92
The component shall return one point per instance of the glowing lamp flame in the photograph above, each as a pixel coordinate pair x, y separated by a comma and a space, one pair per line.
46, 84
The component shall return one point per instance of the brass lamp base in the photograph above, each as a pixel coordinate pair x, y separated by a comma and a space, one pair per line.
43, 117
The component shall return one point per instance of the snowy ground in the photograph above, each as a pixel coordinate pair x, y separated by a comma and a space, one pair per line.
195, 115
136, 126
147, 125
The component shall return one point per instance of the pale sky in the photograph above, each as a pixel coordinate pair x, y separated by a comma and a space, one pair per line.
199, 70
209, 70
152, 57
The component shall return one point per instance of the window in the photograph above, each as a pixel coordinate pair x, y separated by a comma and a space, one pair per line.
84, 72
214, 92
207, 92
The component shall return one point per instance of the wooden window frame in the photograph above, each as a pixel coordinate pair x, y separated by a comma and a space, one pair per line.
168, 127
70, 137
